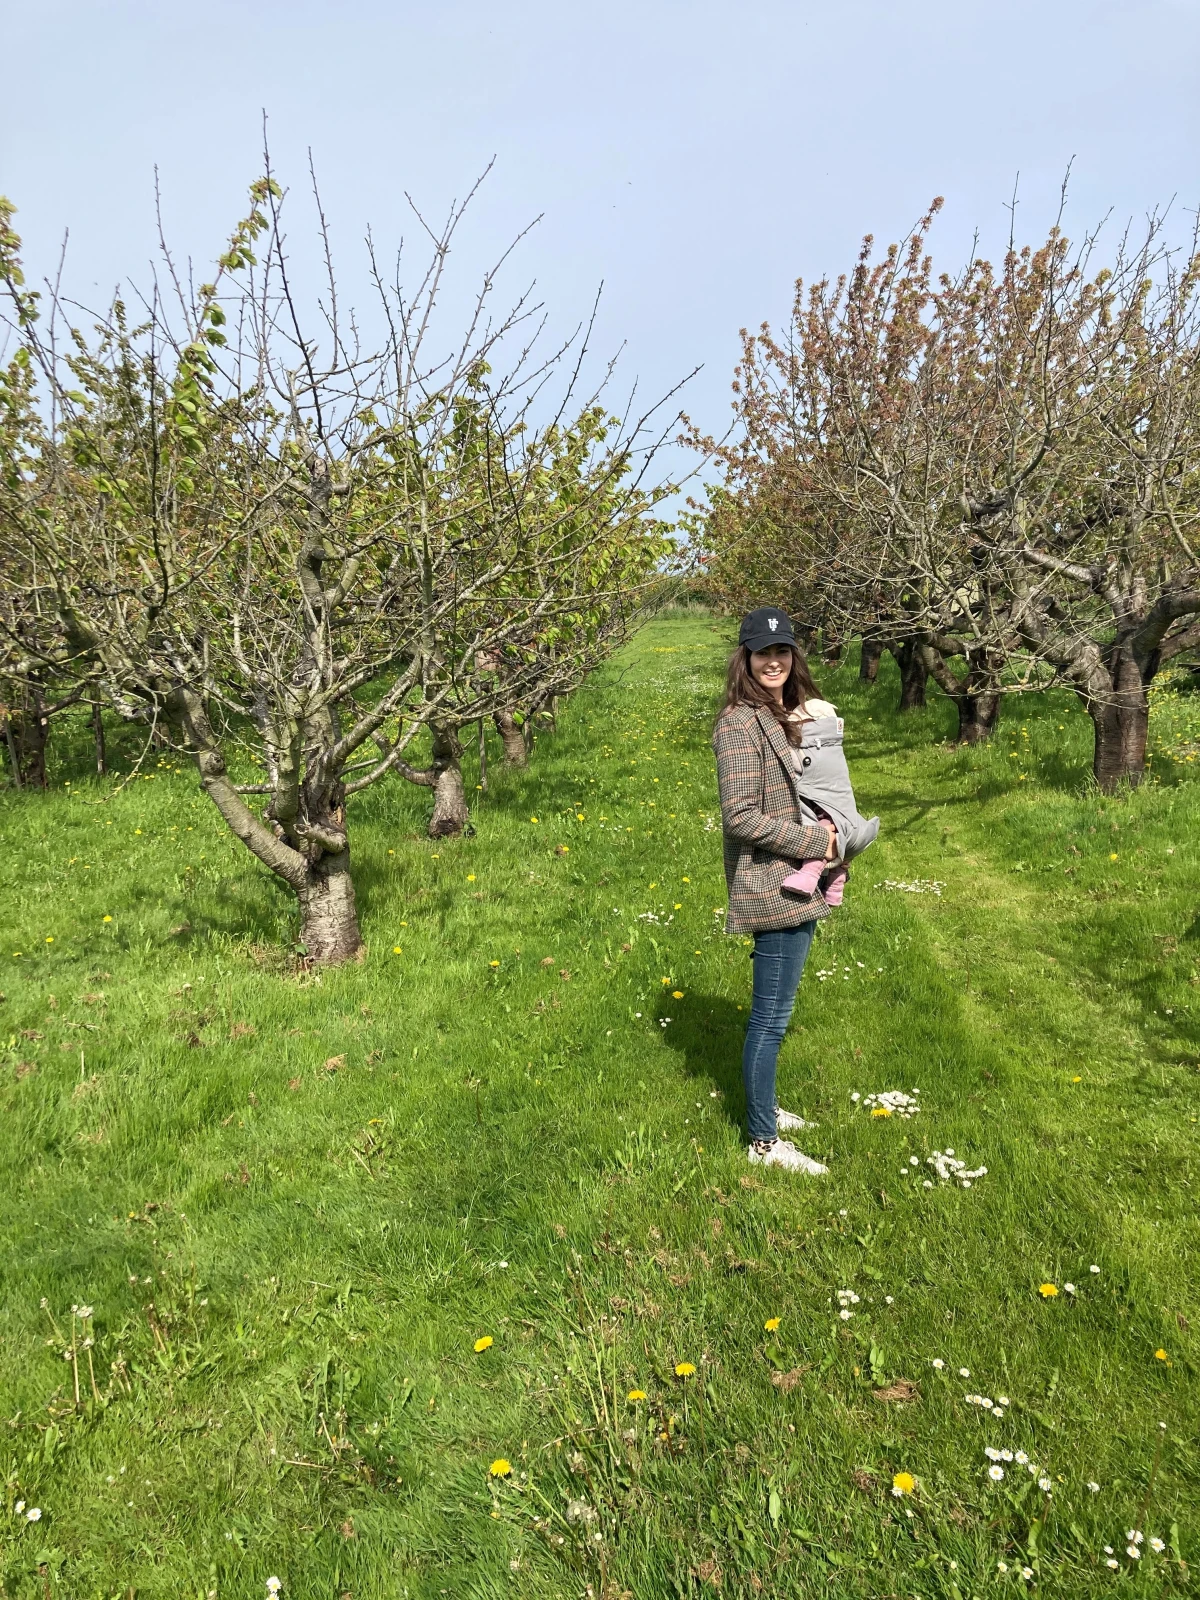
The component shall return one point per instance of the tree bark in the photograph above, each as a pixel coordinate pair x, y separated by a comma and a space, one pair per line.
31, 732
310, 851
831, 651
976, 696
978, 715
515, 752
868, 661
328, 914
450, 813
1121, 720
913, 674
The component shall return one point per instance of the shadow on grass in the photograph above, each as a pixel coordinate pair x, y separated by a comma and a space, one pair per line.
708, 1032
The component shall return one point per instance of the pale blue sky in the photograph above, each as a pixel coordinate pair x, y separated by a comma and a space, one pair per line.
695, 156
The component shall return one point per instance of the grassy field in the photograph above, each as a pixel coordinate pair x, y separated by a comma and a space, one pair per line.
347, 1245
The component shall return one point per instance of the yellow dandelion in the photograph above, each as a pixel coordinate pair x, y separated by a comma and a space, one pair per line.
500, 1468
49, 938
664, 980
678, 906
687, 880
493, 963
1077, 1078
1161, 1355
676, 994
533, 819
881, 1111
565, 849
635, 1395
1047, 1290
684, 1369
903, 1483
485, 1343
772, 1323
470, 877
105, 919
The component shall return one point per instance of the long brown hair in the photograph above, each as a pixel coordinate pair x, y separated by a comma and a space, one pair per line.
742, 688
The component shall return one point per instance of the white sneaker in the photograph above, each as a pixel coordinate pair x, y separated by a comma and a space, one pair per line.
784, 1154
789, 1122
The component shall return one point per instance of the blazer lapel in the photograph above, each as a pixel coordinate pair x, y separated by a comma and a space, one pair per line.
777, 739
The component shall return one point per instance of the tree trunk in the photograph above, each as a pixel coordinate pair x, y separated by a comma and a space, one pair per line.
913, 674
328, 915
450, 812
515, 752
31, 732
14, 759
1121, 721
868, 661
976, 696
98, 737
978, 715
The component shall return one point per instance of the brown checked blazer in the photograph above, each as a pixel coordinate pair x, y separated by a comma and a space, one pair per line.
764, 838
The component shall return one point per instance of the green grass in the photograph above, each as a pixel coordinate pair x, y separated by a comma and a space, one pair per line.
296, 1201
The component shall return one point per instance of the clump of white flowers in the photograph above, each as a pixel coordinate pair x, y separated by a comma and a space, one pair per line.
846, 1298
950, 1169
891, 1103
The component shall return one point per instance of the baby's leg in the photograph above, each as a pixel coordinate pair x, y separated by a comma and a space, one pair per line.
806, 879
834, 886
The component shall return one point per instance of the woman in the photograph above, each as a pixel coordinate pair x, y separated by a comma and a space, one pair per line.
769, 695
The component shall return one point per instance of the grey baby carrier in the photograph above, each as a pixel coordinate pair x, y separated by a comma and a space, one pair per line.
822, 781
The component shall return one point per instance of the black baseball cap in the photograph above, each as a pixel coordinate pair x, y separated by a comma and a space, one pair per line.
768, 625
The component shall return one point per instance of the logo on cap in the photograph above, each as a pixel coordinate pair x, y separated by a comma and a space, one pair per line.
772, 623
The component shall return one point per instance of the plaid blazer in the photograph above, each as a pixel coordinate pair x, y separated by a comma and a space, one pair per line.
764, 838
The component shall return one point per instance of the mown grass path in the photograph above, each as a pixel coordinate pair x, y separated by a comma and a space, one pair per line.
296, 1203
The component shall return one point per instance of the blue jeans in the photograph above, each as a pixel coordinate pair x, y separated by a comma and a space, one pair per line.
779, 958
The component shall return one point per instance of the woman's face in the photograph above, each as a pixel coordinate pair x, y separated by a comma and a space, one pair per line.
771, 667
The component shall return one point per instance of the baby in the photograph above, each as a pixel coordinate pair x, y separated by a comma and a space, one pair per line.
825, 794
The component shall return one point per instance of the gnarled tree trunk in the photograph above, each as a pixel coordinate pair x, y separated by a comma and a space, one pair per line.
1121, 720
328, 914
27, 735
978, 715
309, 850
976, 695
450, 813
913, 673
868, 661
515, 753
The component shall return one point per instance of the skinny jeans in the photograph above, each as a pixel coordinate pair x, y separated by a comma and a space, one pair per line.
779, 957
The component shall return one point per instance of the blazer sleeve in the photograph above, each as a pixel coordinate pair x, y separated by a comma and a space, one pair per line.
739, 780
